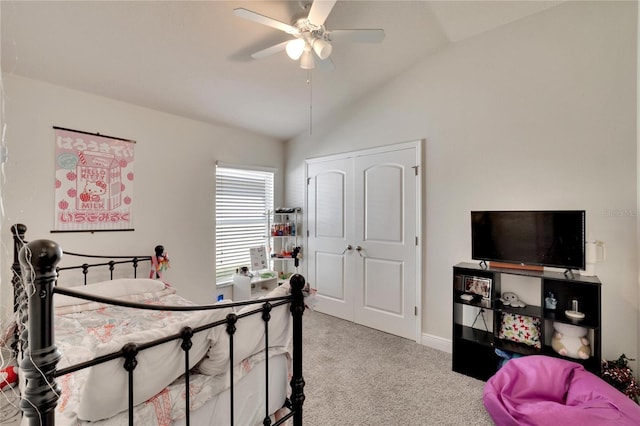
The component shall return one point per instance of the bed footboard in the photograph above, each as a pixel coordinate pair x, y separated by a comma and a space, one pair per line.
38, 262
297, 380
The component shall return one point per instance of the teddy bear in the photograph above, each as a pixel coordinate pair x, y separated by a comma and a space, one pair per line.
511, 299
571, 341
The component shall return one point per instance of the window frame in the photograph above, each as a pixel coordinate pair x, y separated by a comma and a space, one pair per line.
246, 222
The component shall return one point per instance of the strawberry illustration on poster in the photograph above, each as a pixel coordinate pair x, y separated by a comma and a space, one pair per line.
93, 182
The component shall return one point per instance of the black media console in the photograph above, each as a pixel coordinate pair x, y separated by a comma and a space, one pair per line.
476, 304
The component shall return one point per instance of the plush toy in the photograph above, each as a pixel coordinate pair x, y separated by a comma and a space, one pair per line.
511, 299
571, 341
8, 376
159, 263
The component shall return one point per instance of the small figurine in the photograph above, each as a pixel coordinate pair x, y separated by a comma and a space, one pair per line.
550, 301
159, 263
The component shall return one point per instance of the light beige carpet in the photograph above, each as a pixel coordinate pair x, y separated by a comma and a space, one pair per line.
359, 376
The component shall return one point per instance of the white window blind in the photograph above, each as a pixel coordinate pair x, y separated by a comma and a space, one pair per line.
243, 198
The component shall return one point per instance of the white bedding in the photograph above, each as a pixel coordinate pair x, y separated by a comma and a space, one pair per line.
249, 336
86, 330
209, 397
249, 397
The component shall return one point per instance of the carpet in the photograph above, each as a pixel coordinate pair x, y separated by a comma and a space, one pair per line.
359, 376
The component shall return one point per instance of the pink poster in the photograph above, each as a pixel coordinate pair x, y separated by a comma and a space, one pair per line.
93, 182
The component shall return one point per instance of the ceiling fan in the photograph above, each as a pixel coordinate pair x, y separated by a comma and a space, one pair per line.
310, 37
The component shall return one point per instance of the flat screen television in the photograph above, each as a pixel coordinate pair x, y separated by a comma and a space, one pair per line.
543, 238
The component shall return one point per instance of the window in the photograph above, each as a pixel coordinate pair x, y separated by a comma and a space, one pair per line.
243, 198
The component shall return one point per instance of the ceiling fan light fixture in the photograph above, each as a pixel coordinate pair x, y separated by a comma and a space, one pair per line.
295, 48
306, 60
322, 48
309, 35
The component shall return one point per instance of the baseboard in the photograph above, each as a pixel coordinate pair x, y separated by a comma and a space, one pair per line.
436, 342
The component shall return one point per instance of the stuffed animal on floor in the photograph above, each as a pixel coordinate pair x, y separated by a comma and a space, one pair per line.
8, 376
571, 341
511, 299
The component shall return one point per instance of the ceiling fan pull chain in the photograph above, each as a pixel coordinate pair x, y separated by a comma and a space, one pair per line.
310, 84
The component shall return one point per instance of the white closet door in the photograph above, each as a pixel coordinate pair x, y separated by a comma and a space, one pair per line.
330, 225
385, 230
363, 222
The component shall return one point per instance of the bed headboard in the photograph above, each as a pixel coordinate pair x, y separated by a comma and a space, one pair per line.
102, 263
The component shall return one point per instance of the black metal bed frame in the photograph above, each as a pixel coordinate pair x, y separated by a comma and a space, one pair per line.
36, 342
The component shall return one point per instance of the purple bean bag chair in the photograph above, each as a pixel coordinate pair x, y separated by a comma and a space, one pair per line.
543, 390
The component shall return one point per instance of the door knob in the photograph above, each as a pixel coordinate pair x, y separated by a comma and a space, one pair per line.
349, 247
359, 250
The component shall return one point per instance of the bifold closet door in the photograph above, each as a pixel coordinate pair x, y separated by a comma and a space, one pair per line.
385, 230
330, 242
362, 219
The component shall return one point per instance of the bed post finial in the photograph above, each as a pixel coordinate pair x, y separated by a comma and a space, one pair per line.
18, 229
38, 260
297, 283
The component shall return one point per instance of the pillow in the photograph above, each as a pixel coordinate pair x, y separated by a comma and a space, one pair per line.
521, 329
112, 288
249, 336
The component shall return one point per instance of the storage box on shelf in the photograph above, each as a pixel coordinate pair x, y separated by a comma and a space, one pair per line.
284, 242
475, 343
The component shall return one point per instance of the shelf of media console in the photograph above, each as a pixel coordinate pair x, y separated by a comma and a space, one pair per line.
498, 306
530, 311
489, 340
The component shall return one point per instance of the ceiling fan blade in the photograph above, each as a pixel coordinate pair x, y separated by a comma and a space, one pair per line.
265, 20
320, 10
359, 36
270, 50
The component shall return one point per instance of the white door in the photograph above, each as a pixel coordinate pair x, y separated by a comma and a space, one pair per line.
330, 226
363, 222
386, 231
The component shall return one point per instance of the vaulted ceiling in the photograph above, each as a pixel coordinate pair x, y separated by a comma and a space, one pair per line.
193, 58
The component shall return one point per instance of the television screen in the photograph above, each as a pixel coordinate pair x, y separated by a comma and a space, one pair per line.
544, 238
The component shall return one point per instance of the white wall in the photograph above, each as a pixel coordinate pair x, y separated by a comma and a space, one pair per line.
538, 114
174, 178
